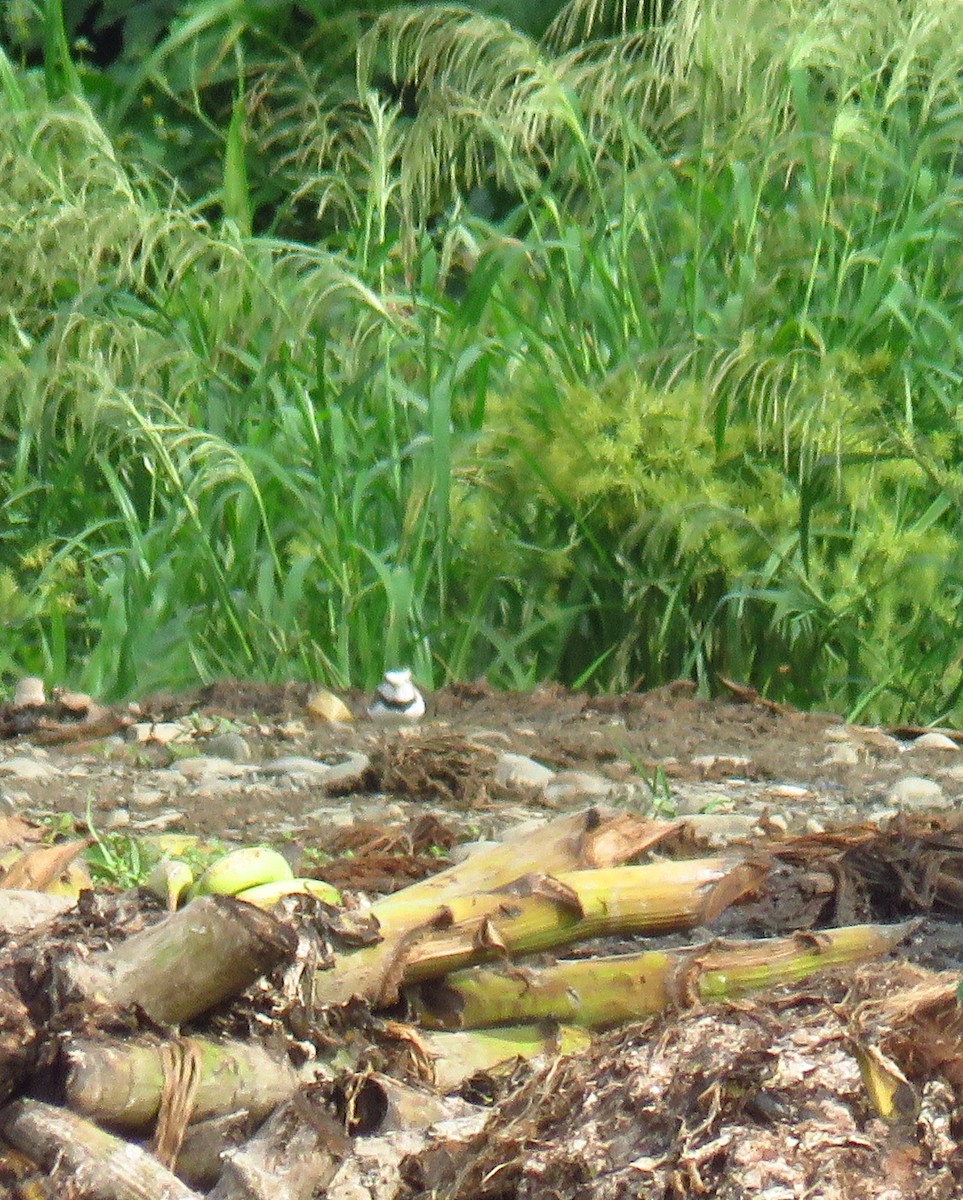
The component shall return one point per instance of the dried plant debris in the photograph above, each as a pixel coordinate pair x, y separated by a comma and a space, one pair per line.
387, 856
66, 717
443, 768
755, 1099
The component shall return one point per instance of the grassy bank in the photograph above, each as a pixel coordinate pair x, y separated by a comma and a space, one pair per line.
611, 357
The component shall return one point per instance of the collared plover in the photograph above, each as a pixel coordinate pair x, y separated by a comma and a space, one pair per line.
397, 699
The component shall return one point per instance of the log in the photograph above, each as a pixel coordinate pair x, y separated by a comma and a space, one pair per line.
84, 1162
191, 961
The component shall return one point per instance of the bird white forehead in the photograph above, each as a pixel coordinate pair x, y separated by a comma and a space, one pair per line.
398, 678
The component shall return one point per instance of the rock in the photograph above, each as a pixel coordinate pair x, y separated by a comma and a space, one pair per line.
724, 762
328, 707
933, 741
772, 822
29, 693
914, 791
162, 820
290, 731
160, 733
78, 703
230, 746
348, 775
118, 818
21, 767
21, 910
866, 737
205, 767
718, 829
572, 787
144, 797
788, 791
843, 754
518, 770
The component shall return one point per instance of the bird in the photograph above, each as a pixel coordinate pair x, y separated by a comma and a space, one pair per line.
397, 699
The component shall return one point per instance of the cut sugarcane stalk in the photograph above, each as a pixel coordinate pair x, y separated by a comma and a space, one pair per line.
595, 993
537, 913
573, 906
592, 838
456, 1056
293, 1156
99, 1164
194, 959
120, 1083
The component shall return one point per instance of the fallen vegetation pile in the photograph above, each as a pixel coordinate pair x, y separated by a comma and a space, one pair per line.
592, 1009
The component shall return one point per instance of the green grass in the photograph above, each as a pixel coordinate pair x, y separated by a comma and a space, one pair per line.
621, 355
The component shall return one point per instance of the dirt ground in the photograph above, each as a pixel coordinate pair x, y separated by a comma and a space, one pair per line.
683, 753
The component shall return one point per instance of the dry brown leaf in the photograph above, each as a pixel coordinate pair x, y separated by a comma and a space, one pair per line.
36, 869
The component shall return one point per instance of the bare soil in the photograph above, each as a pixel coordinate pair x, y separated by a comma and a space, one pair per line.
761, 755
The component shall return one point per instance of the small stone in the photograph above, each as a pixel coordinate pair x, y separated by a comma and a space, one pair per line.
209, 786
717, 829
788, 791
328, 707
724, 762
230, 746
933, 741
843, 754
206, 767
773, 822
518, 770
576, 786
29, 693
119, 818
145, 797
687, 804
162, 820
160, 733
21, 767
914, 791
